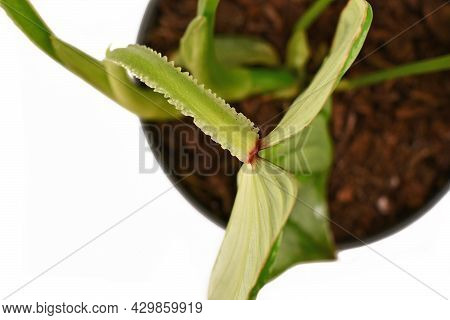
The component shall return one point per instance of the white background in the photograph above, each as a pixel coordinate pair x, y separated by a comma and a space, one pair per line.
69, 169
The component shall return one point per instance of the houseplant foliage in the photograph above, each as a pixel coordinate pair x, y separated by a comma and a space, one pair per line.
280, 215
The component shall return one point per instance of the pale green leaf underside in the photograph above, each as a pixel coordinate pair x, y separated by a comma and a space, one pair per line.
306, 235
351, 32
232, 130
113, 82
266, 196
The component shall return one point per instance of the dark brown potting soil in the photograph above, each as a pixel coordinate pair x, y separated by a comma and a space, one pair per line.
392, 141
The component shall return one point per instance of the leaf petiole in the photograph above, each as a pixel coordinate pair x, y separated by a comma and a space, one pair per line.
416, 68
311, 15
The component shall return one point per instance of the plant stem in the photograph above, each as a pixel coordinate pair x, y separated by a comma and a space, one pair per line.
298, 51
314, 11
421, 67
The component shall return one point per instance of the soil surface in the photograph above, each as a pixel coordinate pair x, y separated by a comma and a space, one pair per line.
392, 141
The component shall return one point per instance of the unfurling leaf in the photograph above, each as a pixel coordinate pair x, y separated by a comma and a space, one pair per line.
265, 198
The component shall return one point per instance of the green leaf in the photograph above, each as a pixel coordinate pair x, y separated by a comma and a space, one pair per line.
266, 274
29, 21
82, 65
144, 103
232, 130
266, 196
198, 54
242, 50
351, 32
234, 50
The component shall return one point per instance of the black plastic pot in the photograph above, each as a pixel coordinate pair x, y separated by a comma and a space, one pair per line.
152, 136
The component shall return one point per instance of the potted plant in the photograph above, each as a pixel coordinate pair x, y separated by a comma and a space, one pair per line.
280, 213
